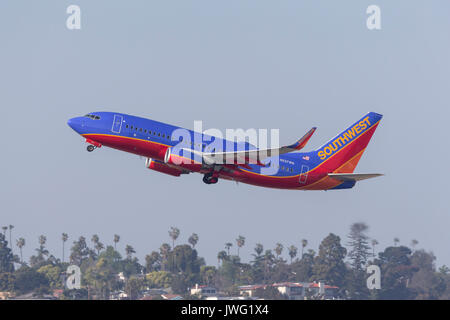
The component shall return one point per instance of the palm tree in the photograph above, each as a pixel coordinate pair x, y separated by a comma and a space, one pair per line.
259, 249
240, 241
193, 239
129, 250
414, 243
97, 244
174, 233
374, 243
20, 244
116, 239
268, 259
4, 228
304, 244
10, 238
279, 249
64, 238
99, 247
221, 256
42, 251
95, 239
164, 250
396, 241
292, 252
228, 245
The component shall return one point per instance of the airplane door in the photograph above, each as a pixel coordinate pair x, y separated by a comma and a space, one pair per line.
117, 123
304, 174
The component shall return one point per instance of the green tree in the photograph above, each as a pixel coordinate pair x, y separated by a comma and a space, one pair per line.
358, 242
269, 261
221, 256
174, 233
396, 241
426, 282
7, 280
185, 259
208, 275
164, 252
10, 237
292, 250
303, 269
180, 284
42, 253
129, 250
258, 264
228, 246
278, 250
229, 271
358, 254
193, 240
53, 275
97, 244
112, 258
396, 273
153, 262
100, 277
374, 243
259, 249
20, 244
64, 238
6, 256
116, 240
329, 263
134, 287
79, 251
159, 279
414, 243
29, 280
240, 242
304, 244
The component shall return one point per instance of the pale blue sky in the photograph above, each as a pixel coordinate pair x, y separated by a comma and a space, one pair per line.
233, 64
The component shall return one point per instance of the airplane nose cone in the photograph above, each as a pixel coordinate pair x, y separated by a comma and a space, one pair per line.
74, 123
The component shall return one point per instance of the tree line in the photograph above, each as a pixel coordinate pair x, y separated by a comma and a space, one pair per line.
406, 272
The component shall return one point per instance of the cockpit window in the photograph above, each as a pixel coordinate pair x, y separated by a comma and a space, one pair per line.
93, 117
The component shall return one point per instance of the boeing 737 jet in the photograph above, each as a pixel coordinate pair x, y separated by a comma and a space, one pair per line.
175, 151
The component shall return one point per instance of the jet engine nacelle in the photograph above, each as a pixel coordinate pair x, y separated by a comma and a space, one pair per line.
183, 161
162, 167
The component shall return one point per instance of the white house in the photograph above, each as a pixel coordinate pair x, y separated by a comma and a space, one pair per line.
203, 291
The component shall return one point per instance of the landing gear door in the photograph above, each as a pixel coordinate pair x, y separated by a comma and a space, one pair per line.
117, 123
304, 174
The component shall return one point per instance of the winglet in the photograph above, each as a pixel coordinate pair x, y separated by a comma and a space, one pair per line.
300, 144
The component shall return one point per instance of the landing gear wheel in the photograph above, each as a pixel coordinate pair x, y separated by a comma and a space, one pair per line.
209, 179
90, 148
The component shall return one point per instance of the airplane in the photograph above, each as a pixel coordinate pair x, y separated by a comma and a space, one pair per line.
328, 167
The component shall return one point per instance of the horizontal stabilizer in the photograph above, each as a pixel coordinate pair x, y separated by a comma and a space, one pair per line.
353, 176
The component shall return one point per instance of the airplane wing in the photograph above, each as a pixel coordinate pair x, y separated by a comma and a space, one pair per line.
353, 176
251, 156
